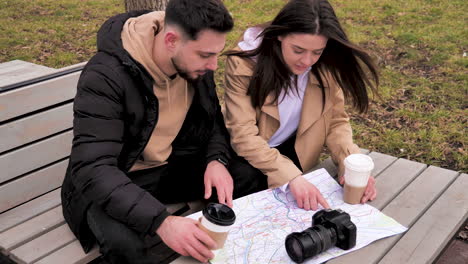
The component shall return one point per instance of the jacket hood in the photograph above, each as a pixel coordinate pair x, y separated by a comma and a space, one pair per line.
139, 37
109, 35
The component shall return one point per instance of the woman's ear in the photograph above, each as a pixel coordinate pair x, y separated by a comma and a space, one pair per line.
280, 38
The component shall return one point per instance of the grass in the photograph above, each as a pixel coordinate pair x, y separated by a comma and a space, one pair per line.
52, 33
419, 46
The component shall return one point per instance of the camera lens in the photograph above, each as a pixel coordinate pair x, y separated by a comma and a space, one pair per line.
310, 242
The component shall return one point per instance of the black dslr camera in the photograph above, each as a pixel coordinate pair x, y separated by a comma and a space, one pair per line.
329, 228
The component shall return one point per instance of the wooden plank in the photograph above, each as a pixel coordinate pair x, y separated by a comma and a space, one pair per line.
20, 234
328, 165
18, 65
7, 66
381, 162
433, 231
406, 208
394, 179
18, 71
32, 185
35, 127
37, 96
70, 254
29, 210
35, 156
43, 245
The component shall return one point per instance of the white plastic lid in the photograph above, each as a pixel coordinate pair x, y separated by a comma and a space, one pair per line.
359, 162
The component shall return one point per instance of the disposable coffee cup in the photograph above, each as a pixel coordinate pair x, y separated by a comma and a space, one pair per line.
358, 168
216, 221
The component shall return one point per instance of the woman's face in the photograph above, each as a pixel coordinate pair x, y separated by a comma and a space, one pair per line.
301, 50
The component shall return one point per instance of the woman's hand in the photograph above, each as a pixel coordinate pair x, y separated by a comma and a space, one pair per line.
370, 193
307, 195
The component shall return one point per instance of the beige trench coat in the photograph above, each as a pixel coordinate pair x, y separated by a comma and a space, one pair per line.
251, 128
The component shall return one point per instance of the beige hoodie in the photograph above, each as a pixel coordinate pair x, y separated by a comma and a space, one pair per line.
174, 95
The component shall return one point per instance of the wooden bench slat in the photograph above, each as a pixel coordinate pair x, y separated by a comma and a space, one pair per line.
394, 179
429, 235
73, 253
35, 156
32, 185
37, 96
29, 210
43, 245
8, 66
17, 71
70, 254
406, 208
7, 69
35, 127
381, 162
31, 229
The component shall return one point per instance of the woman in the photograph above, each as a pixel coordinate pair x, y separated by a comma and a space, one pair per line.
285, 88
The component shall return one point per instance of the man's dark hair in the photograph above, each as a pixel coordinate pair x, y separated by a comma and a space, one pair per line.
193, 16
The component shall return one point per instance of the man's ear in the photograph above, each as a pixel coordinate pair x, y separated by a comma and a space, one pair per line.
171, 39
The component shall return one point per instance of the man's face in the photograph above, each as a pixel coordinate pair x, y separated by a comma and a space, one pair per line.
194, 58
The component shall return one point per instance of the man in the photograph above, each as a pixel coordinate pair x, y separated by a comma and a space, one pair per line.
148, 130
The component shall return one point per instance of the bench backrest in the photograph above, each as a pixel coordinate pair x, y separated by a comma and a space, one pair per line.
35, 136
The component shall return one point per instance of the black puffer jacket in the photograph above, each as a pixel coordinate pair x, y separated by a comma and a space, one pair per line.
115, 112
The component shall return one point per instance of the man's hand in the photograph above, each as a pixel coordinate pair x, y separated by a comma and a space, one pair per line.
306, 194
370, 193
185, 237
216, 175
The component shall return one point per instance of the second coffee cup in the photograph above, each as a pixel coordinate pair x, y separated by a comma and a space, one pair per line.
358, 168
216, 221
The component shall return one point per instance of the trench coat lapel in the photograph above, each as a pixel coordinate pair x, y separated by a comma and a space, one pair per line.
271, 109
312, 104
269, 119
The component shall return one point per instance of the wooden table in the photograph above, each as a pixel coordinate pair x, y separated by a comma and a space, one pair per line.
432, 202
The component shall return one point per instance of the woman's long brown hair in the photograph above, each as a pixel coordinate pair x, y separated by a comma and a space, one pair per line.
348, 64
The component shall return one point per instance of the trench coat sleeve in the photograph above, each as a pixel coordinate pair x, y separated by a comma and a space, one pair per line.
243, 127
339, 139
98, 138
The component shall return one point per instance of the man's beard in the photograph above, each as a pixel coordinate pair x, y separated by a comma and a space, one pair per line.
183, 73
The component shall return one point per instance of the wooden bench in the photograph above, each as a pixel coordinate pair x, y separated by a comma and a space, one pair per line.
36, 134
36, 130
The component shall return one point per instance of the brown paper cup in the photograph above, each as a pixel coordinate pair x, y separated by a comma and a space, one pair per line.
216, 221
358, 168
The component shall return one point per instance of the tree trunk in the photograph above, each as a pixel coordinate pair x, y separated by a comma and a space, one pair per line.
145, 4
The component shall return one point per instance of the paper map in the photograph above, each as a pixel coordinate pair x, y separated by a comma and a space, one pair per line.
264, 219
